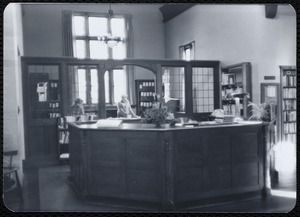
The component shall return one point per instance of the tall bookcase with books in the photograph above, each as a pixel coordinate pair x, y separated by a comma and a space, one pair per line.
288, 84
236, 79
63, 137
145, 92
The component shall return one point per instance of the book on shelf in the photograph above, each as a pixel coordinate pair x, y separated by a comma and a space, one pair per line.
289, 81
228, 78
289, 104
290, 138
64, 137
289, 116
289, 128
289, 93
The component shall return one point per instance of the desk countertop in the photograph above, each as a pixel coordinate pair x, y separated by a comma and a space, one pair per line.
164, 127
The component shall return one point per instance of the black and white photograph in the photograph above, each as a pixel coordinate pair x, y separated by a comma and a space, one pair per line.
149, 107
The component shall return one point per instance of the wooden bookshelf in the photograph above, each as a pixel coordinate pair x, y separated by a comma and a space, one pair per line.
145, 90
288, 96
63, 139
236, 79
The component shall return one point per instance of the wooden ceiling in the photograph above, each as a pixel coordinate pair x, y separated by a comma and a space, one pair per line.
171, 10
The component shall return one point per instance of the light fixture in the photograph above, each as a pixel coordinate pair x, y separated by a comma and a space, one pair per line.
109, 39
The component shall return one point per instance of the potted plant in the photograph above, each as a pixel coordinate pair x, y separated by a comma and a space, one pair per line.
260, 112
158, 116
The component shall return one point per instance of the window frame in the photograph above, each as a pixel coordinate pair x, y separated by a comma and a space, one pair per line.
183, 48
87, 40
88, 84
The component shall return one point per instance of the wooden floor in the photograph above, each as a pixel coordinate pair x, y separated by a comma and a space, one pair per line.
47, 189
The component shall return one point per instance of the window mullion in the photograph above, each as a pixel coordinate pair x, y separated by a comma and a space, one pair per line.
109, 31
111, 86
88, 86
87, 44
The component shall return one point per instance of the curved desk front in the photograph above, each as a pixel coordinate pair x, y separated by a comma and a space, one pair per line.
170, 167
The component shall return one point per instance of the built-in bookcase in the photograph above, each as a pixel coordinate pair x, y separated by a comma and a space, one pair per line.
236, 79
145, 91
63, 137
288, 83
44, 92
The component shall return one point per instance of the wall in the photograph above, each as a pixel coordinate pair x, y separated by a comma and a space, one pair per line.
13, 131
43, 27
43, 30
237, 33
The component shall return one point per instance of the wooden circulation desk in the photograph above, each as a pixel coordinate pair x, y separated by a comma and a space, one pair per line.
170, 167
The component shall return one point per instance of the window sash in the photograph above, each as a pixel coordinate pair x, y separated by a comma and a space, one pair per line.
89, 38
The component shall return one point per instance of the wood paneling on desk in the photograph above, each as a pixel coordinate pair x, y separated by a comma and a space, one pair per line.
169, 166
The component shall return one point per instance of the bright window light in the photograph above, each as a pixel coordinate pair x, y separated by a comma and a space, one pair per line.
80, 49
187, 54
119, 51
106, 84
94, 85
79, 25
118, 27
120, 86
98, 50
97, 26
82, 85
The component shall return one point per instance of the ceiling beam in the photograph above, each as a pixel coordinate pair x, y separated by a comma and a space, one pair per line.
171, 10
271, 10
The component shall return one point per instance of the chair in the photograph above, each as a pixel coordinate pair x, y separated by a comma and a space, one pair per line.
9, 182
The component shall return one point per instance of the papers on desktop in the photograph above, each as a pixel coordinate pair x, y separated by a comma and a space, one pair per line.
109, 123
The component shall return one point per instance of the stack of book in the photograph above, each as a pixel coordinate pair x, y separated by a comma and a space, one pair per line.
225, 119
228, 118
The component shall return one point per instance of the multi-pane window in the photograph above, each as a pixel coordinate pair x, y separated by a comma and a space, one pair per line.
174, 85
87, 30
118, 88
84, 84
203, 90
186, 52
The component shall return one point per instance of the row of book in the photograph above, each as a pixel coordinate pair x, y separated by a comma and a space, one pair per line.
228, 78
289, 128
290, 138
54, 115
147, 93
64, 137
230, 109
54, 105
289, 116
289, 104
289, 81
146, 104
289, 93
146, 84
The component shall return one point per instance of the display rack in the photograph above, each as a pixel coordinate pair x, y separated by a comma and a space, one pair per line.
288, 81
236, 79
145, 93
